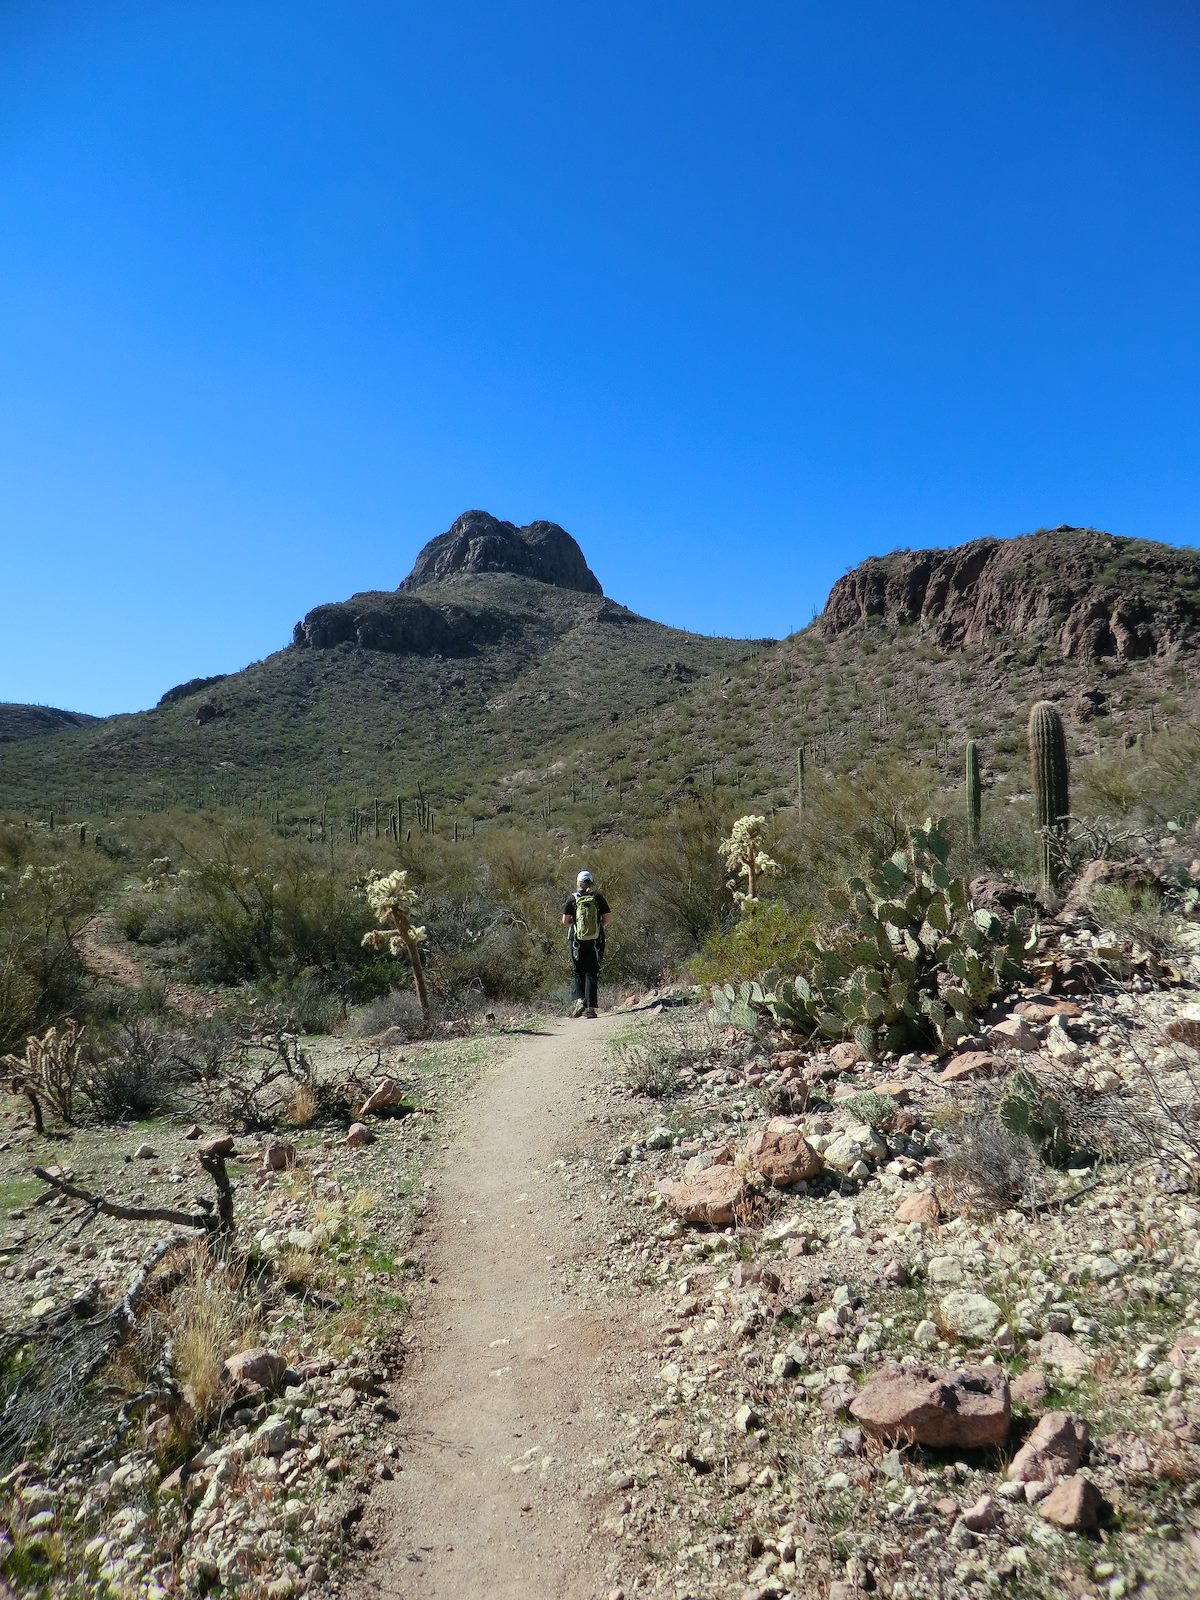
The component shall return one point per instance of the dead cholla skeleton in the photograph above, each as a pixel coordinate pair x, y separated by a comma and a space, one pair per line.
392, 901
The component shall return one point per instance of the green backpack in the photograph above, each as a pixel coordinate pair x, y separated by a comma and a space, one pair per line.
587, 918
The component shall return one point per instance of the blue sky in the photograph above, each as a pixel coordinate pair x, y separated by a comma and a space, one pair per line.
737, 294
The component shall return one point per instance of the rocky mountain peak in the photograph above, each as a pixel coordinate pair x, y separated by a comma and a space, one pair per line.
1087, 593
478, 542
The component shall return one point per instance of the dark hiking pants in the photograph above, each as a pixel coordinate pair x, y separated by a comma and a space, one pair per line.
585, 968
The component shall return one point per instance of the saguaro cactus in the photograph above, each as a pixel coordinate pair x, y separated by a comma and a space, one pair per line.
1051, 790
974, 793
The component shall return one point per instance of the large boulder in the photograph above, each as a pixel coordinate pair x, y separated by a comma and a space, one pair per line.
390, 1092
967, 1409
710, 1198
1074, 1503
255, 1369
782, 1154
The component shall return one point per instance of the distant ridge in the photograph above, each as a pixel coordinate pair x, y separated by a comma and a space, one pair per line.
35, 722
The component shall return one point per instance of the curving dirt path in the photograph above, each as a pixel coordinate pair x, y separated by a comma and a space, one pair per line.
105, 954
508, 1408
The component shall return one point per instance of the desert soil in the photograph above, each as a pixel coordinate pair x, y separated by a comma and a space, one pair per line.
507, 1406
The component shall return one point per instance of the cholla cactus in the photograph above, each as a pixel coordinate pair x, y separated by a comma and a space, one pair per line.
743, 853
392, 901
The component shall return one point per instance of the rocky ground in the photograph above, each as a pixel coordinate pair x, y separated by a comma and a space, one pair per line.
262, 1491
879, 1378
833, 1335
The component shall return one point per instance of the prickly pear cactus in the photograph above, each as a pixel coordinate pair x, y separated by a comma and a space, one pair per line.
1031, 1112
736, 1007
911, 964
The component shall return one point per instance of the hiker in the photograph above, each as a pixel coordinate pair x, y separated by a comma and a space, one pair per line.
585, 916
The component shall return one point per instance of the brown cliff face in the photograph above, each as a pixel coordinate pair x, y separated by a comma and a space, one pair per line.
1088, 594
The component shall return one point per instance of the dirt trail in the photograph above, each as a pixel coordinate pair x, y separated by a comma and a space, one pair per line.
506, 1412
105, 955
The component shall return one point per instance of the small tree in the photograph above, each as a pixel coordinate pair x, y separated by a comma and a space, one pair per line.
392, 900
743, 853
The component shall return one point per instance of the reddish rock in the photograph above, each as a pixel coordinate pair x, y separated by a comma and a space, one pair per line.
746, 1273
785, 1059
194, 1132
970, 1064
1053, 1450
278, 1155
358, 1135
1047, 1010
1056, 1350
710, 1198
1014, 1033
1185, 1351
899, 1089
1030, 1388
968, 1408
1184, 1030
847, 1054
222, 1146
1074, 1503
390, 1092
1131, 875
984, 1514
256, 1369
782, 1154
921, 1207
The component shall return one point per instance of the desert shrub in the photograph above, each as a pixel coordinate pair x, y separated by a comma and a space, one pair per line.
876, 1110
774, 937
987, 1165
399, 1009
1136, 916
298, 1005
46, 904
210, 1315
134, 1071
649, 1067
654, 1063
263, 908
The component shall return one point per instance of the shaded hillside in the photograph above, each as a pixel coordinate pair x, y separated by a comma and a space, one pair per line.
34, 722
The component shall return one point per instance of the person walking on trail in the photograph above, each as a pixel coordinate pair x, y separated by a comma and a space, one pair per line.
585, 916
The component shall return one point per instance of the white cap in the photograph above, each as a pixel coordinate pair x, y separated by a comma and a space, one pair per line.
584, 877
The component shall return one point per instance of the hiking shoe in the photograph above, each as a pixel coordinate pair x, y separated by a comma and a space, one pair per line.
592, 1012
578, 1009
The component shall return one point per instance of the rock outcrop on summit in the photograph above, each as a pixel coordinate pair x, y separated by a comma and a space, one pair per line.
478, 542
1090, 594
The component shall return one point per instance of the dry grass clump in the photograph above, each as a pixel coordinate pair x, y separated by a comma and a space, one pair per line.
208, 1318
985, 1167
300, 1105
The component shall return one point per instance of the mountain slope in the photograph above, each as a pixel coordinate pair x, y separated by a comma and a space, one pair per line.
463, 677
502, 693
35, 722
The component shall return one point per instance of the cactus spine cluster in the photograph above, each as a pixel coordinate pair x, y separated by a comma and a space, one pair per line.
1051, 791
974, 793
